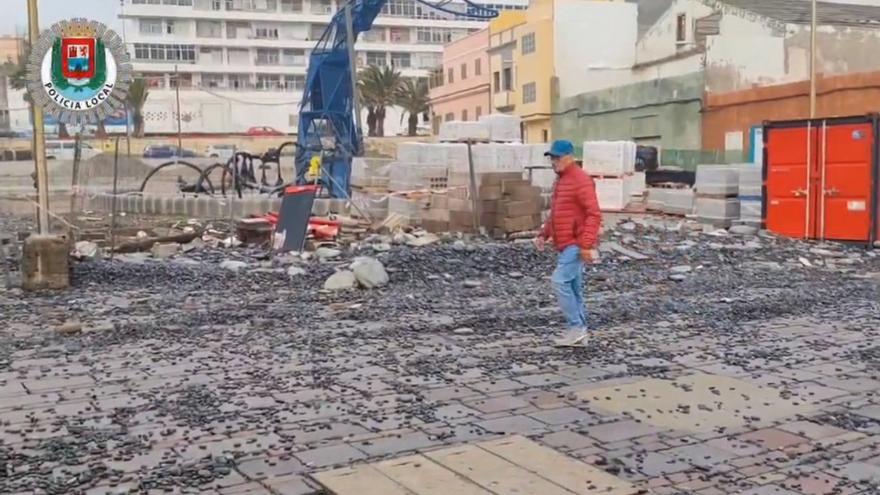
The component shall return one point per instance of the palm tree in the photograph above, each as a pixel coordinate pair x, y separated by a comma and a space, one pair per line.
412, 96
18, 80
377, 88
137, 96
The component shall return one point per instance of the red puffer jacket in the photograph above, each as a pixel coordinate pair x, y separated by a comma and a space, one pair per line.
574, 213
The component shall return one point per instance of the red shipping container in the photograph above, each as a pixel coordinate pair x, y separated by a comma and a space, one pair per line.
821, 178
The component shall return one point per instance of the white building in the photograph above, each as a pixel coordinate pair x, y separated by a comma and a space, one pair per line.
242, 63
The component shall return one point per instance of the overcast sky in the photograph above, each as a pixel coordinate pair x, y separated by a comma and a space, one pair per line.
52, 11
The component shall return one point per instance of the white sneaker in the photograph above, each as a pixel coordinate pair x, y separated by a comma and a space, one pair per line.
572, 338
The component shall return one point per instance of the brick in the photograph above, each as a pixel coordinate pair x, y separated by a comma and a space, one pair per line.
511, 208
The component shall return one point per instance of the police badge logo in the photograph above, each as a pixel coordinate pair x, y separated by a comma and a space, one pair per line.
79, 72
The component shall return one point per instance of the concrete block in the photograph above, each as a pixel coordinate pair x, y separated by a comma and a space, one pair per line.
720, 212
720, 180
609, 158
460, 131
503, 127
751, 180
678, 201
613, 193
44, 262
637, 184
657, 198
750, 211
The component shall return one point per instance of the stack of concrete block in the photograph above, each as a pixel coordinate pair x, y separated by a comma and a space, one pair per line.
637, 185
408, 207
503, 128
488, 158
679, 201
413, 177
612, 165
717, 188
506, 202
370, 172
373, 203
464, 131
751, 181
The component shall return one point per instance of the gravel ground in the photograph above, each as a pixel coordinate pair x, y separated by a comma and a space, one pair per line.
174, 354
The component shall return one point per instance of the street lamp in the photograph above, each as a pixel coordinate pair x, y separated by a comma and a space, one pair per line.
814, 24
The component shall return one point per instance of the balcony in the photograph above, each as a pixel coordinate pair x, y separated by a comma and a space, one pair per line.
503, 101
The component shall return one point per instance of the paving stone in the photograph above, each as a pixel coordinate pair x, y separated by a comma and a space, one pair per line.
395, 444
772, 438
502, 385
497, 404
701, 455
656, 464
513, 425
857, 472
621, 430
455, 412
340, 454
290, 485
563, 416
269, 467
819, 483
567, 440
813, 431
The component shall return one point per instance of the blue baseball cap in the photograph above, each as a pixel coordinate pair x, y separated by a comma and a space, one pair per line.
561, 147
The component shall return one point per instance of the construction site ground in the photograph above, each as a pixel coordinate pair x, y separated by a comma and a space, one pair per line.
721, 364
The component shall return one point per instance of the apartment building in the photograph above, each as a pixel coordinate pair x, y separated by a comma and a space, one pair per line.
242, 63
460, 87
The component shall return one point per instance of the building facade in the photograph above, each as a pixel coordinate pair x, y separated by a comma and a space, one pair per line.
460, 88
698, 51
14, 112
242, 63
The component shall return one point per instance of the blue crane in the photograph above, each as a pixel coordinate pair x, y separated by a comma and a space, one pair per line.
329, 124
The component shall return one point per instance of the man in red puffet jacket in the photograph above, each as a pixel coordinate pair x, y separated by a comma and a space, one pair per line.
573, 227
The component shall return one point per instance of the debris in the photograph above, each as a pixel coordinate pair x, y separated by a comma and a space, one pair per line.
194, 244
472, 284
369, 272
145, 244
805, 261
463, 331
295, 271
678, 277
85, 250
424, 240
381, 247
628, 227
164, 251
681, 269
325, 253
515, 275
232, 265
613, 246
341, 280
744, 230
69, 327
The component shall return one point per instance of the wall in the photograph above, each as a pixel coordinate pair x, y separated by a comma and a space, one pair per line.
839, 96
502, 44
471, 92
536, 67
608, 43
664, 113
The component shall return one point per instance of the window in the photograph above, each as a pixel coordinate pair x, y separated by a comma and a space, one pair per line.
181, 3
478, 113
155, 80
478, 69
545, 135
238, 56
464, 115
374, 35
267, 56
151, 26
172, 53
508, 79
211, 55
681, 28
401, 60
428, 35
238, 29
266, 33
449, 117
213, 81
399, 35
291, 6
322, 7
268, 82
377, 59
180, 53
208, 29
240, 81
293, 57
529, 93
146, 2
185, 80
496, 81
317, 30
295, 82
450, 76
400, 8
528, 44
463, 72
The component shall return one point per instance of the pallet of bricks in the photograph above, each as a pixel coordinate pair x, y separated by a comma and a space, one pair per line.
717, 190
612, 166
507, 204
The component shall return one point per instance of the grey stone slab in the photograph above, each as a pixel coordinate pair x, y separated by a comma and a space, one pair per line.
331, 455
455, 411
620, 430
563, 416
500, 385
567, 440
510, 425
768, 490
305, 434
542, 379
656, 464
395, 444
857, 472
701, 455
497, 404
290, 485
872, 412
269, 467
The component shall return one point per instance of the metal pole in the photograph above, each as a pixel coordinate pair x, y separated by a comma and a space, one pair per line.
814, 27
475, 200
352, 62
177, 95
125, 43
39, 133
113, 203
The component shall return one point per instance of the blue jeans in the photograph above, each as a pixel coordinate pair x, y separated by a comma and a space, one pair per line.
568, 281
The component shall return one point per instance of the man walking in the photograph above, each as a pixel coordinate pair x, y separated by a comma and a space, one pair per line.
573, 227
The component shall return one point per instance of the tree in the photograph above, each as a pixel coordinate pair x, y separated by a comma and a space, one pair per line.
18, 80
412, 97
377, 87
135, 100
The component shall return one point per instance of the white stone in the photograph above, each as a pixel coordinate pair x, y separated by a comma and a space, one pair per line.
163, 251
85, 250
233, 265
324, 253
295, 271
341, 280
369, 272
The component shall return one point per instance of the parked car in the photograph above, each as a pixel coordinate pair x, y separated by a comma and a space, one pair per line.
167, 151
222, 151
263, 131
65, 150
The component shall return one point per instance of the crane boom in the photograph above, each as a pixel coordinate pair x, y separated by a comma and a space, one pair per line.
328, 124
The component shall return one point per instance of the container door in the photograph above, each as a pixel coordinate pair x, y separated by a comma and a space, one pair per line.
791, 155
846, 180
